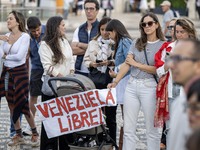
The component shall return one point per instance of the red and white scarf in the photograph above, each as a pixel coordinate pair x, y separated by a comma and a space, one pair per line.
162, 104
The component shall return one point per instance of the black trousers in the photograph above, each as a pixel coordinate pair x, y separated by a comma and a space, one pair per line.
163, 138
52, 143
110, 113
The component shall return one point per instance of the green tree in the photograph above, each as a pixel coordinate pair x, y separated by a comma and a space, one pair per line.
177, 4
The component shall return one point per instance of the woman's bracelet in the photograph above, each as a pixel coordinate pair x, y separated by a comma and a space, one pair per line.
115, 82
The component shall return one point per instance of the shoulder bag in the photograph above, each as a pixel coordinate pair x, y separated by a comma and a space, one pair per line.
154, 76
100, 79
46, 89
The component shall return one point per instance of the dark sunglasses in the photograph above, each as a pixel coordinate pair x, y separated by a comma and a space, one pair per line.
178, 58
144, 24
170, 27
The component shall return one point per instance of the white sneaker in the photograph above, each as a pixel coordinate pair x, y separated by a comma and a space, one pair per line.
27, 131
16, 140
35, 142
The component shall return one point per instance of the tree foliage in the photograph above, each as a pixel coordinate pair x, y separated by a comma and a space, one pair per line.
175, 3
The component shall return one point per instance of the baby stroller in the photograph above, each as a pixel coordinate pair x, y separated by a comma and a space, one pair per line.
86, 139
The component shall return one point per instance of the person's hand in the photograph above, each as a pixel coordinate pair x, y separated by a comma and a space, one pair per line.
112, 73
104, 63
4, 56
166, 67
112, 85
4, 38
130, 61
95, 65
59, 75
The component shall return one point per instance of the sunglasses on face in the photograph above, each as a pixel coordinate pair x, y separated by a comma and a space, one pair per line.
149, 24
177, 58
170, 27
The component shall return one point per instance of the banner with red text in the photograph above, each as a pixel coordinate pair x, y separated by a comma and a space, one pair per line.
76, 112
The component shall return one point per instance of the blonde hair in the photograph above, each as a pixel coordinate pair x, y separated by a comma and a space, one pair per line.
188, 26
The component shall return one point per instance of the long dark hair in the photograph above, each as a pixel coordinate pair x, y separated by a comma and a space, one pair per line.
119, 28
52, 36
103, 21
20, 19
142, 41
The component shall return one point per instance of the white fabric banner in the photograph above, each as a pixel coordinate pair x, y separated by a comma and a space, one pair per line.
76, 112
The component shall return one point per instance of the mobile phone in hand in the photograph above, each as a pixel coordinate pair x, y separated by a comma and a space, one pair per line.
98, 61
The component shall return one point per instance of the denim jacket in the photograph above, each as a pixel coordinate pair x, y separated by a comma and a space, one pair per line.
122, 51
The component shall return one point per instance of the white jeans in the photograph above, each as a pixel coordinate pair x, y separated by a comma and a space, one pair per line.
171, 100
140, 93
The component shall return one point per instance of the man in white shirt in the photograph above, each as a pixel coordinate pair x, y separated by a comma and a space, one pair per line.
167, 17
84, 33
184, 62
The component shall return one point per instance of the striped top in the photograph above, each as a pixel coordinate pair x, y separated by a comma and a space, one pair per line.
151, 49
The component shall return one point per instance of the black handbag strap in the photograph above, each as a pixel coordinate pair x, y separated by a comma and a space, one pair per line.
145, 53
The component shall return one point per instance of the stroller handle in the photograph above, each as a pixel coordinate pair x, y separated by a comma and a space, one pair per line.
64, 79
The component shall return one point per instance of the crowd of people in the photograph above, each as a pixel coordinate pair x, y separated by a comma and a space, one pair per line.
159, 72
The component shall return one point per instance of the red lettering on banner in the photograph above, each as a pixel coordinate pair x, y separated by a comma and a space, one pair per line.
100, 116
61, 105
69, 121
78, 103
91, 98
109, 97
51, 108
93, 115
76, 121
97, 96
85, 100
44, 111
69, 102
84, 118
61, 127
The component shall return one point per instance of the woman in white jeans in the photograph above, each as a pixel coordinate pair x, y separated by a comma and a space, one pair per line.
141, 87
